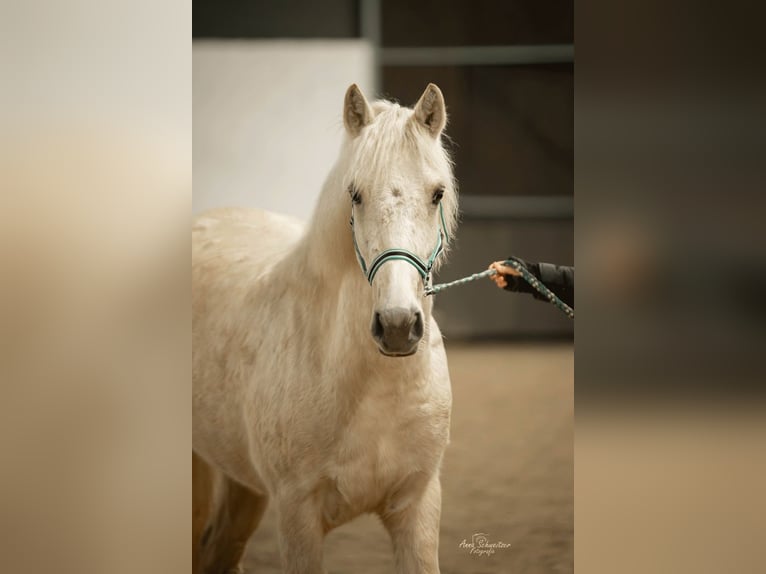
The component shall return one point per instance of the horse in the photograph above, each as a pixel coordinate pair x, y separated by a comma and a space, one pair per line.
320, 379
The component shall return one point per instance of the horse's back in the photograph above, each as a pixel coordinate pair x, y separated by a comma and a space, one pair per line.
251, 236
232, 250
233, 247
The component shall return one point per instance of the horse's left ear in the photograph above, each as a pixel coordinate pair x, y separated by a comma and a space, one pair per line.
430, 111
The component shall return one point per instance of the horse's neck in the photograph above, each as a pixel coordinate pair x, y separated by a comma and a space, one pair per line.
326, 251
324, 266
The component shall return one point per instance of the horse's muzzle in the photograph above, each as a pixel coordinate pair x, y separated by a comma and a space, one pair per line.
397, 331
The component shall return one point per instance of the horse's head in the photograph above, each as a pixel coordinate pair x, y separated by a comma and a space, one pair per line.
402, 199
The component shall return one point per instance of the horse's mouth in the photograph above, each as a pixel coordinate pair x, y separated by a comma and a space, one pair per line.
398, 355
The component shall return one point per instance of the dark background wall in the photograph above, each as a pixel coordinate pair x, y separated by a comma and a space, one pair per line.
275, 19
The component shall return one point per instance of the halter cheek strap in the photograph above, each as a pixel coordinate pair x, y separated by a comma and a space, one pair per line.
422, 267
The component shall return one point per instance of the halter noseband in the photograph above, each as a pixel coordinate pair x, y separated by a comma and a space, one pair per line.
422, 267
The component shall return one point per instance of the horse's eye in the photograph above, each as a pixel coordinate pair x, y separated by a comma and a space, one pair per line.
438, 194
356, 198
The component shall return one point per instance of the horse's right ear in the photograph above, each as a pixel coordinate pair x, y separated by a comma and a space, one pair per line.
356, 111
430, 111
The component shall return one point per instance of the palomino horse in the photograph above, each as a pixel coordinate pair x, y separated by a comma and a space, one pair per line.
318, 385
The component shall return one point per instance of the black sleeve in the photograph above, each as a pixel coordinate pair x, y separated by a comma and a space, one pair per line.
558, 278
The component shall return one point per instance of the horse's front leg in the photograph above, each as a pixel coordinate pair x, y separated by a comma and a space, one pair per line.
414, 531
300, 534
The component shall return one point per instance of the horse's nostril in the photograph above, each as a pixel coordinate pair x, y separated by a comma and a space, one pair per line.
377, 327
417, 327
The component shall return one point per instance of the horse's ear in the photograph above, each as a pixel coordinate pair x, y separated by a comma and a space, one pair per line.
356, 110
430, 111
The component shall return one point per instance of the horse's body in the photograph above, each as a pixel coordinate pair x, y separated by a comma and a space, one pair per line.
293, 401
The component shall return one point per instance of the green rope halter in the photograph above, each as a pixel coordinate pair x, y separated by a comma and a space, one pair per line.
399, 254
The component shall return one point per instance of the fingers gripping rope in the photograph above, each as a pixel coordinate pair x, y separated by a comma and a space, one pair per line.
528, 277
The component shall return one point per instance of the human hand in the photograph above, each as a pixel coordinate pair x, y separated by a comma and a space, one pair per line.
502, 270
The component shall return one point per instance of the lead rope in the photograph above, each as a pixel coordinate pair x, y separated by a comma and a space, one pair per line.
528, 277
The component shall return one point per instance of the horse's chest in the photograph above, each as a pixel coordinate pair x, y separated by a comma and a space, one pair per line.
379, 452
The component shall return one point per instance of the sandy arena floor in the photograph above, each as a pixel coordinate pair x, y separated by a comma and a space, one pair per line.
508, 472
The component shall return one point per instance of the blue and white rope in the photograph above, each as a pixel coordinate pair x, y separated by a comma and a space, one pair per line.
527, 276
